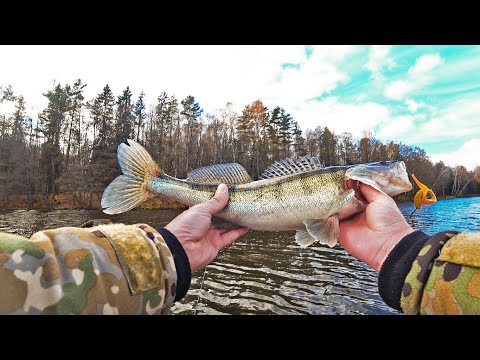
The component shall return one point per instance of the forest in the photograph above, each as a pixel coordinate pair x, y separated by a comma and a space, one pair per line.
68, 150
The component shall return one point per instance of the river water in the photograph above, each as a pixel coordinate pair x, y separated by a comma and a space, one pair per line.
266, 272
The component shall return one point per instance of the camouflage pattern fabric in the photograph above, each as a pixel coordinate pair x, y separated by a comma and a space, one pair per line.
87, 271
445, 277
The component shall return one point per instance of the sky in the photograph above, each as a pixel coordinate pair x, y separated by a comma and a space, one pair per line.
426, 96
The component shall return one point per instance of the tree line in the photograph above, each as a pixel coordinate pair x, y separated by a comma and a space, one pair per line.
71, 147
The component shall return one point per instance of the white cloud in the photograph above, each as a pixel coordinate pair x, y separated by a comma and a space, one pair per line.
396, 126
312, 81
424, 64
450, 125
467, 155
418, 75
459, 119
413, 106
340, 117
331, 53
7, 108
213, 74
398, 89
356, 118
317, 75
378, 59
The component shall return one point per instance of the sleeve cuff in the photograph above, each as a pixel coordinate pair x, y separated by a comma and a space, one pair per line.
182, 265
396, 267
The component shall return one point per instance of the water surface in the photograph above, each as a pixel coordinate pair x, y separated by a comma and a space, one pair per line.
266, 272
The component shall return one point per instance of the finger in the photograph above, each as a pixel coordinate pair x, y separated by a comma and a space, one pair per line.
352, 184
218, 201
224, 230
349, 228
370, 193
231, 236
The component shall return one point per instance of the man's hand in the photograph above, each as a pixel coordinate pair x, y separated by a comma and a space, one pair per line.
192, 228
373, 233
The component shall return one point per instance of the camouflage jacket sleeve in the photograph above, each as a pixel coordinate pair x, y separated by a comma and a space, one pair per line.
105, 269
437, 274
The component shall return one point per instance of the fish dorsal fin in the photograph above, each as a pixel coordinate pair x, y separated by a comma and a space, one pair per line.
291, 166
230, 174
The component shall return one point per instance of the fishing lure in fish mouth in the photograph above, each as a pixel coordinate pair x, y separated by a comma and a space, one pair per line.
424, 196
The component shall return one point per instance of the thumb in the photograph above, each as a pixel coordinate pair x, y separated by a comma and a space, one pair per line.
218, 201
370, 193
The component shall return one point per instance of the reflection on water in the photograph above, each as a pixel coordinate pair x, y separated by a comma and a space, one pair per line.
265, 272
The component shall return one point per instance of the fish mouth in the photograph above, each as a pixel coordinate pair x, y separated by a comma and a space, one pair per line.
388, 177
355, 185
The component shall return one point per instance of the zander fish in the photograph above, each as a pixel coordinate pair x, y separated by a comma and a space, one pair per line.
290, 195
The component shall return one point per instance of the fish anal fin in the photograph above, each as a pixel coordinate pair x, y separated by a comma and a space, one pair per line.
325, 231
230, 174
218, 223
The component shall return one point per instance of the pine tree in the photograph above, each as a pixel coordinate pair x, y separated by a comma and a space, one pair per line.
52, 120
328, 148
103, 167
191, 112
161, 118
74, 125
346, 149
229, 148
285, 133
252, 129
18, 168
273, 133
140, 115
102, 110
298, 140
125, 118
172, 126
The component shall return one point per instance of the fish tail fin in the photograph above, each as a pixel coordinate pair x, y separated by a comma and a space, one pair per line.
130, 189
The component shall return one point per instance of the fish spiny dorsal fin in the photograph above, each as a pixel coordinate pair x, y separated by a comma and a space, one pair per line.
291, 166
230, 174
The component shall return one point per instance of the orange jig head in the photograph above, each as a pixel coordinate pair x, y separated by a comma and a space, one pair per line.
422, 195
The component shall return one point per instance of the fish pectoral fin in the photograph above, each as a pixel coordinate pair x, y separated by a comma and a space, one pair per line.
343, 198
303, 238
326, 231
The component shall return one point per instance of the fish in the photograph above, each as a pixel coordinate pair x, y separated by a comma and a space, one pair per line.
292, 194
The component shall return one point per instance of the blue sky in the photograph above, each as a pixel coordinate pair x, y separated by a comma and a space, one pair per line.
427, 96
